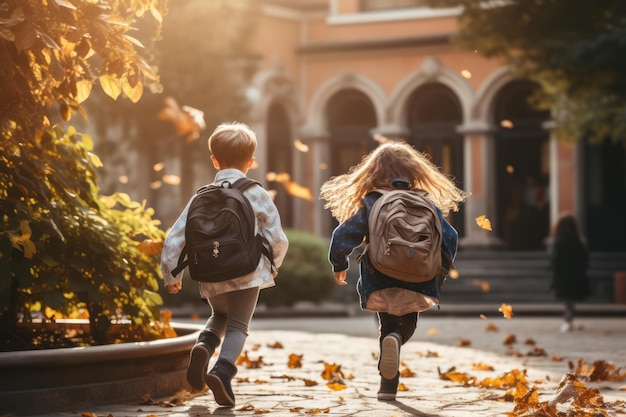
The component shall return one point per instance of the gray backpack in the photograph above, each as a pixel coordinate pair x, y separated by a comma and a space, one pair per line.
405, 236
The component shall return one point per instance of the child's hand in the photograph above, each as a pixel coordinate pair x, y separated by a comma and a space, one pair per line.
174, 288
340, 277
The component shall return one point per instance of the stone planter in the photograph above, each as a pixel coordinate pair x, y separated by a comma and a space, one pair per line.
42, 381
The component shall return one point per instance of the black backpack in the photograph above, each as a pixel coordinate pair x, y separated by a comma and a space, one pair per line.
219, 234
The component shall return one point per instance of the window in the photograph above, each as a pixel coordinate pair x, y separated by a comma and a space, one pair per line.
378, 5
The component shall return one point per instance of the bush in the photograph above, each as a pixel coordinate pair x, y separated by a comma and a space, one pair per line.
305, 274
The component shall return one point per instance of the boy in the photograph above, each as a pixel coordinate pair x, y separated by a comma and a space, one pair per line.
233, 301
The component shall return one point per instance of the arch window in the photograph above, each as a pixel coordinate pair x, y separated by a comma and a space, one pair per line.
433, 113
522, 168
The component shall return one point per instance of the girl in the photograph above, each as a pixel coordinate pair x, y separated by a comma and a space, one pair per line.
569, 258
350, 198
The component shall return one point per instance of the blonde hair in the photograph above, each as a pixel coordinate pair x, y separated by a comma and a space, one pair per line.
232, 144
344, 193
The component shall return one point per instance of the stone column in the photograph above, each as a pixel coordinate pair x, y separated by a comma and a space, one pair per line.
479, 174
565, 179
311, 215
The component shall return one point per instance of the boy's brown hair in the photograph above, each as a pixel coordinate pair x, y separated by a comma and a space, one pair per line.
232, 144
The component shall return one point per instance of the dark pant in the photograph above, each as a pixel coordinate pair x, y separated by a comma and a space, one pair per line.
403, 325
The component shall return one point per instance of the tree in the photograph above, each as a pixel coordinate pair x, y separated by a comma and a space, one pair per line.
203, 63
66, 250
574, 50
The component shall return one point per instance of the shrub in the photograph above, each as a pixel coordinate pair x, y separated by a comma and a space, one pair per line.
305, 274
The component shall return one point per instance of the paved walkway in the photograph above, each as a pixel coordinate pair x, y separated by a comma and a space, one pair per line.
439, 344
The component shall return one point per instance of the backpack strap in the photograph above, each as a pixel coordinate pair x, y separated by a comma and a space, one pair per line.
182, 262
241, 184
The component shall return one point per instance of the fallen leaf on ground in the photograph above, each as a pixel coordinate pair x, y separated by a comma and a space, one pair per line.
332, 372
480, 366
295, 361
336, 386
491, 328
464, 342
510, 339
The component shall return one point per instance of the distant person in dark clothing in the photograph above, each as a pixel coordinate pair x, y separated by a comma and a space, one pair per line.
569, 259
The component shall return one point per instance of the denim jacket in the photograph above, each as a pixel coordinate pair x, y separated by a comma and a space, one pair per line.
379, 292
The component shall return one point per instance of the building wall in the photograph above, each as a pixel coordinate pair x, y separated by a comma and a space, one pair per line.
319, 51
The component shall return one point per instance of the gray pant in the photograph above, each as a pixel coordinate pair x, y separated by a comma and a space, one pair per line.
232, 312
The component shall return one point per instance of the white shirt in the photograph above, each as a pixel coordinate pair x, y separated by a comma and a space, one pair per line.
267, 224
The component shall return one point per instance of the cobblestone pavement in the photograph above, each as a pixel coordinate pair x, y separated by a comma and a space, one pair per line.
439, 344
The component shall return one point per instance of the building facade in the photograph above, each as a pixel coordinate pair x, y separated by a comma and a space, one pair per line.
334, 76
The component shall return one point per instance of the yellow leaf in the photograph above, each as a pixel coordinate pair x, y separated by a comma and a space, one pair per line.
156, 14
95, 160
480, 366
29, 248
465, 342
407, 373
296, 190
87, 141
336, 386
309, 382
491, 328
295, 361
171, 179
332, 371
25, 229
83, 90
133, 93
301, 146
402, 387
110, 85
150, 247
506, 310
483, 222
432, 331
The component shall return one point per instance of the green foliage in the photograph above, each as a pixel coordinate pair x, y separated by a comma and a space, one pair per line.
574, 50
65, 250
305, 274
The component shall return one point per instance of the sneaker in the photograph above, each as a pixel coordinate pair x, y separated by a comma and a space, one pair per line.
198, 365
218, 379
566, 327
388, 388
390, 356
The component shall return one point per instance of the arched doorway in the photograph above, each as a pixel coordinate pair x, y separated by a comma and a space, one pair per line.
434, 112
279, 159
522, 168
350, 118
